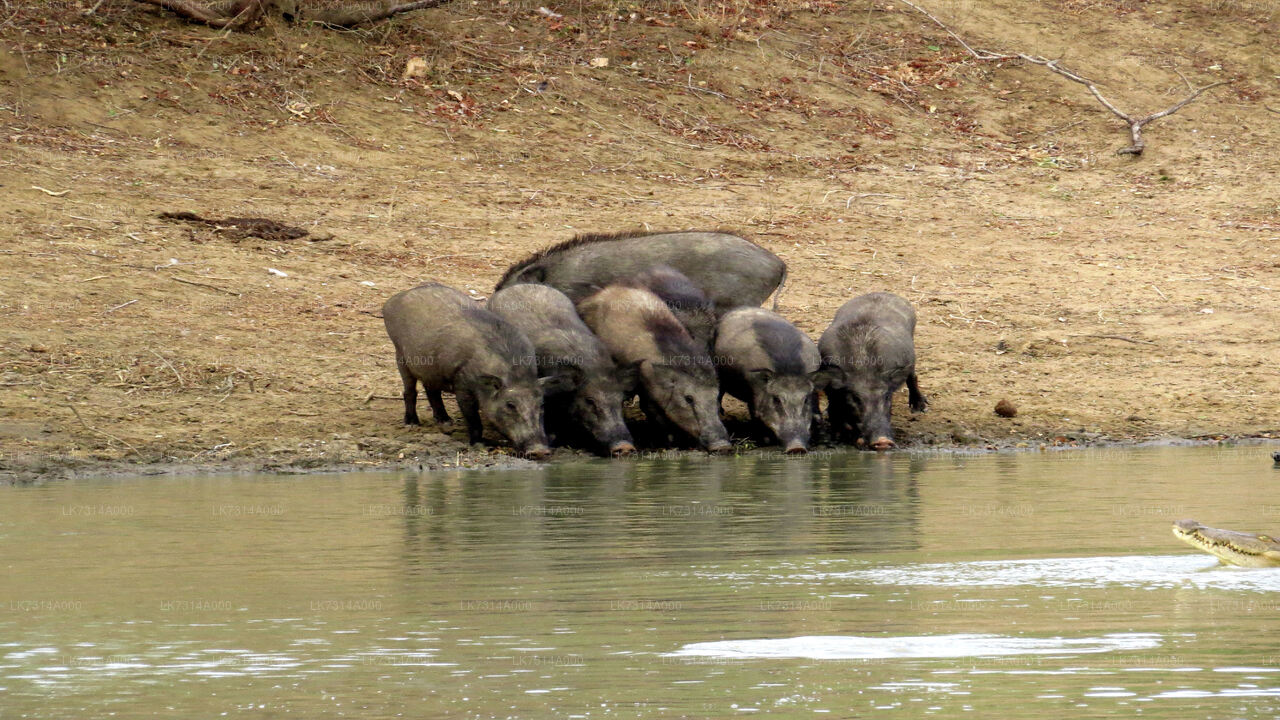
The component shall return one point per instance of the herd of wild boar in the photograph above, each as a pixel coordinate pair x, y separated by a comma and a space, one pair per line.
576, 330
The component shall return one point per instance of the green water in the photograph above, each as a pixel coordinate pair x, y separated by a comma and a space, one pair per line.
841, 585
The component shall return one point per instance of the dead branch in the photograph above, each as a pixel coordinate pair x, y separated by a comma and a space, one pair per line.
1137, 143
240, 228
227, 14
346, 16
236, 14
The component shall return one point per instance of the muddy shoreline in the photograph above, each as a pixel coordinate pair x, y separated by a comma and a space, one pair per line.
66, 468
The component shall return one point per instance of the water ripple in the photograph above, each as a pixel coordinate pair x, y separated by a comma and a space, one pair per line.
852, 647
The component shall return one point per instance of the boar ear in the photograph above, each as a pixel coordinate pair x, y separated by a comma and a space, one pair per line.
489, 384
828, 376
646, 370
559, 383
534, 274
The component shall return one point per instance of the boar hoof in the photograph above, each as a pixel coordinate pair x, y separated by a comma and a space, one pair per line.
720, 448
622, 449
882, 443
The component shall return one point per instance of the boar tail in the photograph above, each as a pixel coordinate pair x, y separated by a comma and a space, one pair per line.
782, 284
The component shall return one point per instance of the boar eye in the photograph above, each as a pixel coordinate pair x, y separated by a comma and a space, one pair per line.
688, 399
511, 406
589, 402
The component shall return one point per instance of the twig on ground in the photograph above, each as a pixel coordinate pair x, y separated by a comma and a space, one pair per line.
374, 396
121, 305
1125, 338
90, 428
58, 193
169, 365
204, 285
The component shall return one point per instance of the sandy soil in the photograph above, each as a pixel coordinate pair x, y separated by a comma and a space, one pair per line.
1108, 297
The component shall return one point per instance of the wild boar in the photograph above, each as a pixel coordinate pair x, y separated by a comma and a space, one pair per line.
676, 377
730, 270
448, 342
685, 300
769, 364
589, 387
868, 352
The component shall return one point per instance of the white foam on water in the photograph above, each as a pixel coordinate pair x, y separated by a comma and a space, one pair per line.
1135, 571
852, 647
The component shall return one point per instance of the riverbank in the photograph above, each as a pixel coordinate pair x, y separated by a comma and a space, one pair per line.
1108, 298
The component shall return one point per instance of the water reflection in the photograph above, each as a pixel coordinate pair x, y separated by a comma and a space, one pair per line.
1006, 585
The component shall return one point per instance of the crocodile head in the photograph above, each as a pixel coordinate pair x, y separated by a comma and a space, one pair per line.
1233, 548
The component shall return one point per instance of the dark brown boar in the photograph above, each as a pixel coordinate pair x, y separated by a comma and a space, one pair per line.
685, 300
868, 352
448, 342
769, 364
588, 394
676, 377
730, 270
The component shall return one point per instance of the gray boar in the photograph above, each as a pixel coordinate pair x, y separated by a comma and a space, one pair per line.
769, 364
868, 352
448, 342
685, 300
677, 379
731, 270
589, 388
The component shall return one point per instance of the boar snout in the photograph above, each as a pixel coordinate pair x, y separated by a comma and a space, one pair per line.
537, 452
720, 447
796, 447
882, 443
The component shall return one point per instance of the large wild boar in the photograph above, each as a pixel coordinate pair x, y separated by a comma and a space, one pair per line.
588, 396
769, 364
448, 342
677, 379
868, 352
686, 301
731, 270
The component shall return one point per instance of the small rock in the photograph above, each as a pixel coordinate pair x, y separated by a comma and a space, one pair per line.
415, 67
1006, 409
37, 348
1276, 457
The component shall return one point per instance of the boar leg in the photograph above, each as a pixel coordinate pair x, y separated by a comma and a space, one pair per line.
661, 426
410, 396
470, 407
917, 400
437, 407
839, 415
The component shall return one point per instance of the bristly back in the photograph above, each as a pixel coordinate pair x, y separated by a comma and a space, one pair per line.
590, 238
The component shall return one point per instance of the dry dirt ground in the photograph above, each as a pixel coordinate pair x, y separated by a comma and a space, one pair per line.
1110, 298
